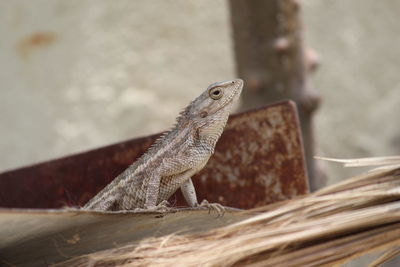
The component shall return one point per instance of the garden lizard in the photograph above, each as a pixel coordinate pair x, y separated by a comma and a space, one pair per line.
175, 157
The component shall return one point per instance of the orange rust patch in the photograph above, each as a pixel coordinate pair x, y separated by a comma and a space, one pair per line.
34, 41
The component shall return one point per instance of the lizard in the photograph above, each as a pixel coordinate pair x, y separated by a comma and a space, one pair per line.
174, 157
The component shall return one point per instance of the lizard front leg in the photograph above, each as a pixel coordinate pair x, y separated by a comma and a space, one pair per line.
153, 187
189, 193
152, 192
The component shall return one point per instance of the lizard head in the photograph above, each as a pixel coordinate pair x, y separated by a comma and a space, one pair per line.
210, 111
217, 100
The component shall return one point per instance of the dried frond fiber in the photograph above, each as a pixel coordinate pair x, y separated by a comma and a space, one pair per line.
391, 161
327, 228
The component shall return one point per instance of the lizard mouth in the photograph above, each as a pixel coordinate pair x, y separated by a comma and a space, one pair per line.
234, 95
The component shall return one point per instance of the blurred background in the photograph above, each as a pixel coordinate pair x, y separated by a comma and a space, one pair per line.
79, 75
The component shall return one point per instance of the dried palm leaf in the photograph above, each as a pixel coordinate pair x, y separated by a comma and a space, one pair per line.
327, 228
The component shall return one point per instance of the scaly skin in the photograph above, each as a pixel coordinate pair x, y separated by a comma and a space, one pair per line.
175, 157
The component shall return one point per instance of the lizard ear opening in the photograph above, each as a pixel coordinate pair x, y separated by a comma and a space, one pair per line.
203, 114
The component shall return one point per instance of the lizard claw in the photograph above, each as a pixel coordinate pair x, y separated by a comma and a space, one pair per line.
215, 206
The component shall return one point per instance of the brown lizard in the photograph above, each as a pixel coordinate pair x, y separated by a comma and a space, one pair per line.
175, 157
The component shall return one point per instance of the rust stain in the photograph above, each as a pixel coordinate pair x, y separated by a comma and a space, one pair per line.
258, 160
34, 41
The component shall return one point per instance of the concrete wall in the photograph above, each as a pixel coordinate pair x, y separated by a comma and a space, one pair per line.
359, 78
76, 75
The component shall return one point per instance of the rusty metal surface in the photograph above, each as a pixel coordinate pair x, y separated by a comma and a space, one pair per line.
258, 160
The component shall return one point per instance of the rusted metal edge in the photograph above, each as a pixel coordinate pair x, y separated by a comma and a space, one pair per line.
258, 160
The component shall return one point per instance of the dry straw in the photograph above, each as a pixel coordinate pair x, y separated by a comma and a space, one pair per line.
326, 228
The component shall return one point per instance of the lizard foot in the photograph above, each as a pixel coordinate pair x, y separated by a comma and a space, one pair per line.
215, 206
161, 207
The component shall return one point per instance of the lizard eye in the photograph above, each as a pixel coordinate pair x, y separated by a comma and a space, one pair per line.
215, 93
